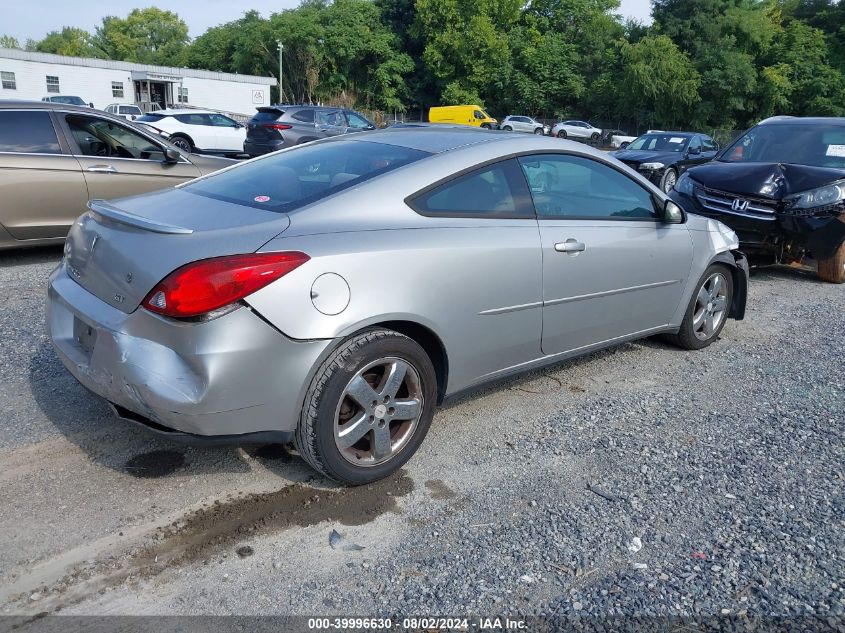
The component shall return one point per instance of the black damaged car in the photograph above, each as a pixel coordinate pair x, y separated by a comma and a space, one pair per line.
663, 156
781, 187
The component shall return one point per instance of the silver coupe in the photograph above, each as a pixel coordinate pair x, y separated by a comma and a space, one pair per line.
334, 294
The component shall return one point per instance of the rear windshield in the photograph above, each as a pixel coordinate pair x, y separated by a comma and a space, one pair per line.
288, 180
266, 115
68, 100
814, 144
150, 118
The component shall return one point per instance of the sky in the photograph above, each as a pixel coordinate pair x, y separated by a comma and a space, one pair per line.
25, 19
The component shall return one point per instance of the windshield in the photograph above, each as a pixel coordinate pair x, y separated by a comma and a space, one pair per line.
660, 143
288, 180
814, 144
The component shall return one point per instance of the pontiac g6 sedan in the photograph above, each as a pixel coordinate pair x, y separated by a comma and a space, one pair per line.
333, 294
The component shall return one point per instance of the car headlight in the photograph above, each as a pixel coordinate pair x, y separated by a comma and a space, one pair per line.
685, 185
822, 197
651, 166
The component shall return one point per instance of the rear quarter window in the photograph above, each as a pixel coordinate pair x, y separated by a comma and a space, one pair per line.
306, 116
27, 132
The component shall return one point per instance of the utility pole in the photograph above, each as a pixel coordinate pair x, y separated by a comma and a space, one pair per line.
281, 73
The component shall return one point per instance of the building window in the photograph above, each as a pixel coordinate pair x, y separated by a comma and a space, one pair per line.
182, 95
117, 89
8, 80
52, 83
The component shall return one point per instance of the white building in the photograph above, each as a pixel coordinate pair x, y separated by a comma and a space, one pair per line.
29, 75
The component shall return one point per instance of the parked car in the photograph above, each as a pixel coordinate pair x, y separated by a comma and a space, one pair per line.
523, 124
617, 139
67, 100
289, 298
54, 157
199, 130
663, 156
463, 115
781, 187
577, 130
275, 127
126, 110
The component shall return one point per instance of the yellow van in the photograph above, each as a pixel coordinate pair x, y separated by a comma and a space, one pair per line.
462, 115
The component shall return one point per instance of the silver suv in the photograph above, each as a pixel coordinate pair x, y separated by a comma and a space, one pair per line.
523, 124
279, 126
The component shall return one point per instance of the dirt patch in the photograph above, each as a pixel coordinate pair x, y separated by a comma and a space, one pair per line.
438, 490
273, 452
155, 464
220, 525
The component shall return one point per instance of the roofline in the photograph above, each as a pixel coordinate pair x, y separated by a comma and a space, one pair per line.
110, 64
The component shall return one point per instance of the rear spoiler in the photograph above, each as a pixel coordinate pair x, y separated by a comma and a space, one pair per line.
106, 210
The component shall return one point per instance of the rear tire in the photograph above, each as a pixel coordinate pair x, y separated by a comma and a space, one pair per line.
183, 143
703, 321
351, 405
832, 269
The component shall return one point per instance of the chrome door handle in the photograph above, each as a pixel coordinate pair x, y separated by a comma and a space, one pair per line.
570, 246
102, 169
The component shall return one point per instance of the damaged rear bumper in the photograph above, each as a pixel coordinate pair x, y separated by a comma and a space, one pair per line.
233, 375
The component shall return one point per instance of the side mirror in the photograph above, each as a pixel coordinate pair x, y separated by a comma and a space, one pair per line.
90, 105
171, 155
370, 127
672, 213
694, 151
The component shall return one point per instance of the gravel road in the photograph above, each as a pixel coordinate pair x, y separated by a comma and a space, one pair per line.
639, 481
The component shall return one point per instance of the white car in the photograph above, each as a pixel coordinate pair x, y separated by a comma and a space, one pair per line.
523, 124
576, 130
199, 130
125, 110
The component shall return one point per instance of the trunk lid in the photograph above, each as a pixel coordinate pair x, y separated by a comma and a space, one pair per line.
120, 250
257, 130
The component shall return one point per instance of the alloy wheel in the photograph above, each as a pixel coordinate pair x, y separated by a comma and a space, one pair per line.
711, 305
182, 144
669, 181
378, 412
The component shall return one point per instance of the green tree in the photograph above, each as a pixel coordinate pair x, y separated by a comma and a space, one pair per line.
150, 35
660, 80
7, 41
69, 41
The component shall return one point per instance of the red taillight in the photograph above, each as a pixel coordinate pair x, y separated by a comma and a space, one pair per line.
277, 126
200, 287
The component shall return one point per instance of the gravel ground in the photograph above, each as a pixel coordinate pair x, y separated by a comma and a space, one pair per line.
641, 481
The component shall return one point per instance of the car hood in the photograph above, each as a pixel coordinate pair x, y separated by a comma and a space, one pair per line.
119, 250
645, 156
764, 180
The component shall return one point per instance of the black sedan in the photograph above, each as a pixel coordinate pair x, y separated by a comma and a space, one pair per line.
663, 156
781, 187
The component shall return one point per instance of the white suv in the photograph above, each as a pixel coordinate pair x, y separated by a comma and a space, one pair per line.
576, 129
127, 111
199, 130
523, 124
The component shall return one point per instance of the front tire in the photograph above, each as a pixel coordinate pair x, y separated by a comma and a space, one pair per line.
507, 128
832, 269
538, 131
667, 183
561, 134
368, 408
708, 309
595, 136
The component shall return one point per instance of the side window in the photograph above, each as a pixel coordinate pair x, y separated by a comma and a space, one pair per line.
193, 119
98, 137
219, 120
478, 114
496, 191
357, 121
695, 142
564, 186
306, 116
27, 132
708, 144
331, 118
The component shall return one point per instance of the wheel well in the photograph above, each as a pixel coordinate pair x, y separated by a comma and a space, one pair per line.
432, 345
182, 135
